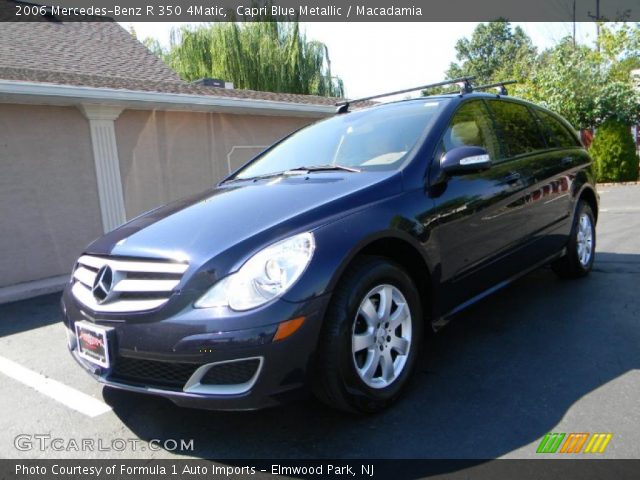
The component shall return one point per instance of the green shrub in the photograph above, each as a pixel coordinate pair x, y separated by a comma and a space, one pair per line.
614, 153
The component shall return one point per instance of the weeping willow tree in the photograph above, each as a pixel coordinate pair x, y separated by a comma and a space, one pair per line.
269, 56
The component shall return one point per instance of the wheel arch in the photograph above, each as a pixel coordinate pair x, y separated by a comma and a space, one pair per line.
404, 251
589, 195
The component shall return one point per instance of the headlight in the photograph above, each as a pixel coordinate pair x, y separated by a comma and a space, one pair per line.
265, 276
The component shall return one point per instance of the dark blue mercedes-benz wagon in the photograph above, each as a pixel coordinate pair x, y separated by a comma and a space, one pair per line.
325, 260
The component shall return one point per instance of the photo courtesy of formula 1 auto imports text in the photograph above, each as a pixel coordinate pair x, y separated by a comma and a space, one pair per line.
317, 239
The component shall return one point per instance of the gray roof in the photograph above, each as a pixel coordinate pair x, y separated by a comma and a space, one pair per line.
101, 81
98, 48
102, 55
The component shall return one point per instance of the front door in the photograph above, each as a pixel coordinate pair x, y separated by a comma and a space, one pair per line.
481, 216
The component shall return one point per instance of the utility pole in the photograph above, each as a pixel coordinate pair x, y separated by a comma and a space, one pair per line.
574, 24
597, 19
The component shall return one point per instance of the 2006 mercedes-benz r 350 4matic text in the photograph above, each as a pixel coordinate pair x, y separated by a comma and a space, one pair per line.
324, 261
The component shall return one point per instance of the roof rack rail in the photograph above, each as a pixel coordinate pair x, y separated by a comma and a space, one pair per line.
499, 86
463, 82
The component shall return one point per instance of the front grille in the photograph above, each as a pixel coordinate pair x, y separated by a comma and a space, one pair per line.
231, 373
129, 285
152, 373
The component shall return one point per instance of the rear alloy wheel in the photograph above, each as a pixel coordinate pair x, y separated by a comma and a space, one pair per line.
584, 241
578, 260
370, 338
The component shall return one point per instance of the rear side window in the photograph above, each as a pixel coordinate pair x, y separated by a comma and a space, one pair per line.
557, 134
517, 128
471, 125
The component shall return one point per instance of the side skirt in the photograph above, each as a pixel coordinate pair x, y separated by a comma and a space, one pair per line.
440, 322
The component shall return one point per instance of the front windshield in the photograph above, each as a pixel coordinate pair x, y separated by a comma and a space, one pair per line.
373, 139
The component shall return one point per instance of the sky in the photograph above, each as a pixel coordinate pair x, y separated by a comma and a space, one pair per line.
373, 58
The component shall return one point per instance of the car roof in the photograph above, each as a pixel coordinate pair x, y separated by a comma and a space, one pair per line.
459, 97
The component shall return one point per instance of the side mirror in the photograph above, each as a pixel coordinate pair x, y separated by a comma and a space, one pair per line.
462, 160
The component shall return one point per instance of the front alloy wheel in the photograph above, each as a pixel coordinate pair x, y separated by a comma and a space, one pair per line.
381, 337
370, 337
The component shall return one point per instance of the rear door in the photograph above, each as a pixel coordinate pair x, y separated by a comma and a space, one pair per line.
554, 174
527, 156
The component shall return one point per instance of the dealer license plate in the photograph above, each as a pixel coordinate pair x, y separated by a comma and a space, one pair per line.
93, 343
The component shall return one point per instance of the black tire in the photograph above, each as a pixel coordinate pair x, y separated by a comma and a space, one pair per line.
336, 380
570, 265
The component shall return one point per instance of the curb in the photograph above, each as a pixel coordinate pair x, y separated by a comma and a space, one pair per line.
616, 184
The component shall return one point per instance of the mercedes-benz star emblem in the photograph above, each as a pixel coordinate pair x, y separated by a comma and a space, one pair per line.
102, 284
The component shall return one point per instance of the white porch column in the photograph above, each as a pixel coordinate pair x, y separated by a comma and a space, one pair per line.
105, 155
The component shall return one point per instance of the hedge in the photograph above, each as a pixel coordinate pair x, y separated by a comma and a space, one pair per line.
614, 153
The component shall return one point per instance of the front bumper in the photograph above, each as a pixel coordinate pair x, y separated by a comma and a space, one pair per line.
170, 356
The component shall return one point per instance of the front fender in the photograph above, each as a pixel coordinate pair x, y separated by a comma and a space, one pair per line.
339, 242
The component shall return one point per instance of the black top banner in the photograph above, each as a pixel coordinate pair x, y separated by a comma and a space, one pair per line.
320, 10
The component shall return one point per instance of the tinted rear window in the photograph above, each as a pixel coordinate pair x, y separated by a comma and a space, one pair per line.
517, 128
557, 134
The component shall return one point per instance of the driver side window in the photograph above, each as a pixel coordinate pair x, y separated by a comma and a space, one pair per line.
471, 125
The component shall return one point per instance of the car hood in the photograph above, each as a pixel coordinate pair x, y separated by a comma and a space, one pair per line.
200, 227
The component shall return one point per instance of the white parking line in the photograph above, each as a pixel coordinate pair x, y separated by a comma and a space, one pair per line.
68, 396
620, 209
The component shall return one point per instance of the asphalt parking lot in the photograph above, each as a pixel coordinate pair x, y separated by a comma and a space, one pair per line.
543, 355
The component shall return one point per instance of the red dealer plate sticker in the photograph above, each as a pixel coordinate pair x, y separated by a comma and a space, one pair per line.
93, 344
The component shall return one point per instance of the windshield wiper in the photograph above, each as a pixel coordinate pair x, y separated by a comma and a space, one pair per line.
298, 170
323, 168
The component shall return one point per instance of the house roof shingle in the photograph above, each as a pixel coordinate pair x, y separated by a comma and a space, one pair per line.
103, 55
97, 48
101, 81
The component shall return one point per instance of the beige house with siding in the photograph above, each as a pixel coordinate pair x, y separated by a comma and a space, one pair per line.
94, 130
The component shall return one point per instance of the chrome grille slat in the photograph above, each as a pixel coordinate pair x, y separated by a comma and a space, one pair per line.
133, 265
85, 276
146, 285
85, 297
138, 284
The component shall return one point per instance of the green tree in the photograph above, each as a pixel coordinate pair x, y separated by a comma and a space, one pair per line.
585, 85
496, 51
579, 84
620, 48
155, 47
269, 56
614, 153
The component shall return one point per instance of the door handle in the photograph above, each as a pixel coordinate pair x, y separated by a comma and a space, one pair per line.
566, 161
512, 178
